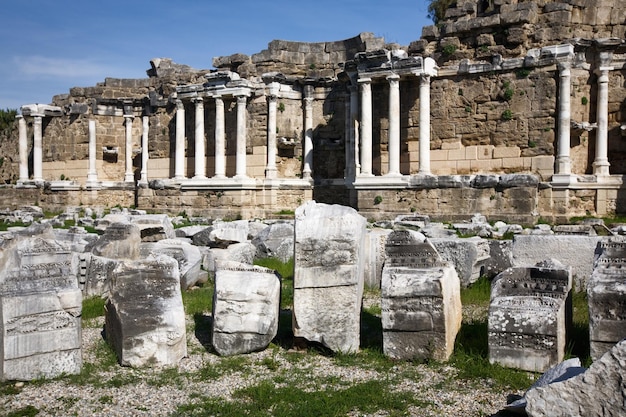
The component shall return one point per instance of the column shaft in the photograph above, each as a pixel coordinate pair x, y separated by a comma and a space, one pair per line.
128, 175
37, 149
92, 174
270, 169
366, 127
220, 142
563, 161
200, 142
354, 129
424, 139
394, 125
240, 168
23, 148
144, 149
307, 169
179, 161
601, 162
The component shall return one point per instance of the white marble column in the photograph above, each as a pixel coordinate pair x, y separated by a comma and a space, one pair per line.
240, 160
220, 141
128, 175
601, 162
424, 139
179, 161
144, 150
270, 169
92, 173
23, 148
394, 125
200, 142
354, 128
366, 127
307, 168
563, 161
348, 155
38, 148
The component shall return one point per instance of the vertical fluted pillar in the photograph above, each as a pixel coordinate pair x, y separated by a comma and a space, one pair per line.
354, 129
144, 149
563, 161
200, 142
179, 161
348, 154
270, 169
394, 125
601, 162
23, 148
240, 160
366, 126
128, 175
92, 173
220, 142
424, 139
37, 148
307, 169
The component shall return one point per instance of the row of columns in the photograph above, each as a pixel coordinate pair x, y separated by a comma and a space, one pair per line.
364, 165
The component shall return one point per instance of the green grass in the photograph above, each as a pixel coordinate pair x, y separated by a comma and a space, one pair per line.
478, 293
198, 300
27, 411
93, 307
266, 399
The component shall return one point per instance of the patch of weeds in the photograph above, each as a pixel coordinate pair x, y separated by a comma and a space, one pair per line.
167, 377
285, 213
284, 269
578, 337
92, 307
532, 144
522, 73
90, 372
198, 300
507, 115
105, 399
225, 366
8, 388
4, 226
449, 49
377, 200
584, 101
265, 399
477, 293
472, 366
27, 411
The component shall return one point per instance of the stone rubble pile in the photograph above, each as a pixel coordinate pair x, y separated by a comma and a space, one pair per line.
141, 265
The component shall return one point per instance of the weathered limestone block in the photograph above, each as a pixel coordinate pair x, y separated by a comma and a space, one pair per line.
468, 256
187, 255
246, 305
607, 297
119, 241
421, 299
95, 273
222, 234
40, 307
328, 279
374, 252
145, 318
574, 251
529, 316
237, 252
275, 241
154, 227
598, 392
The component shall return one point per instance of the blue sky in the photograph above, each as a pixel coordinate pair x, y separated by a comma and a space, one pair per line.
50, 46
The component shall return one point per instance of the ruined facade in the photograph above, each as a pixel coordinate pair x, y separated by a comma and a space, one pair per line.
516, 109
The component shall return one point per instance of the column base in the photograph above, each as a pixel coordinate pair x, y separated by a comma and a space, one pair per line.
601, 168
271, 173
563, 180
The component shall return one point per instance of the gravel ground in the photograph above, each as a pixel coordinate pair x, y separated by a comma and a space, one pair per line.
441, 394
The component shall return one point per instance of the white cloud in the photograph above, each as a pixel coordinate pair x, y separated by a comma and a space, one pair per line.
41, 66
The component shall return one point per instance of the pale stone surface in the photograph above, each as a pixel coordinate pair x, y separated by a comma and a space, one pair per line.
145, 318
40, 306
421, 299
119, 241
188, 256
154, 227
275, 241
221, 234
607, 297
237, 252
529, 314
598, 392
95, 274
374, 252
468, 256
576, 252
246, 305
328, 279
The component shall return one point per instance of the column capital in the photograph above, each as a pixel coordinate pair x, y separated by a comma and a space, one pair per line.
564, 67
272, 98
242, 99
179, 104
197, 100
393, 77
364, 80
129, 117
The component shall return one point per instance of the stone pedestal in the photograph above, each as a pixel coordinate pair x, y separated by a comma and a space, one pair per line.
328, 279
246, 305
421, 300
529, 315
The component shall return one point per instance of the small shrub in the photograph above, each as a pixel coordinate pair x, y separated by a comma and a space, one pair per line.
584, 101
532, 144
507, 115
281, 107
449, 49
377, 200
522, 73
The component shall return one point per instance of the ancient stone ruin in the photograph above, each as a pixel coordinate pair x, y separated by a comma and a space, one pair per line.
511, 108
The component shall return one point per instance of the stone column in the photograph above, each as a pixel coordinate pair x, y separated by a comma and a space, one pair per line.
200, 143
349, 156
354, 128
424, 139
23, 148
179, 161
394, 125
270, 169
601, 162
366, 127
240, 168
220, 142
37, 148
129, 176
92, 173
563, 161
308, 138
144, 150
